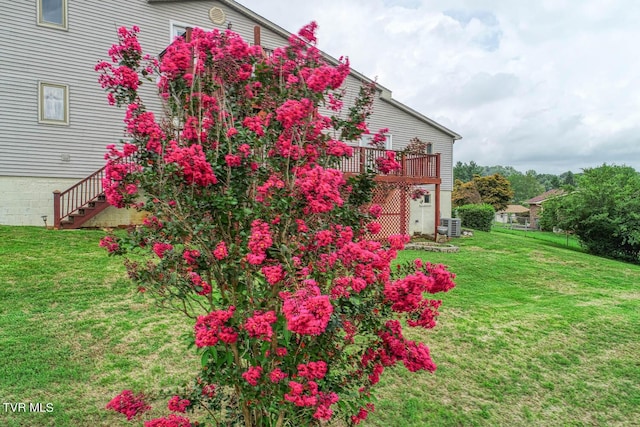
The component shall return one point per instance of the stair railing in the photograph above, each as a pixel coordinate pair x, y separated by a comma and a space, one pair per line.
73, 199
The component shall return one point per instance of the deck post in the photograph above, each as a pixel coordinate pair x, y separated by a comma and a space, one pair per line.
56, 209
437, 212
404, 218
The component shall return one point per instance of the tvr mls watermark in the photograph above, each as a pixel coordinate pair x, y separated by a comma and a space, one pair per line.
27, 407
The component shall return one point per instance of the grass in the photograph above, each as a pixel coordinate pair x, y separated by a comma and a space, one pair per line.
564, 240
74, 333
533, 334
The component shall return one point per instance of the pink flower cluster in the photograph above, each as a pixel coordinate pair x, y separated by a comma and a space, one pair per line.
259, 325
277, 375
160, 248
121, 76
129, 404
193, 163
308, 394
220, 252
338, 149
265, 191
320, 188
252, 375
442, 278
201, 287
110, 244
273, 273
177, 404
362, 414
191, 256
142, 126
379, 139
374, 227
294, 112
152, 223
418, 193
212, 328
117, 171
375, 211
326, 77
255, 124
406, 294
128, 42
388, 163
395, 347
313, 370
307, 311
172, 420
259, 241
397, 241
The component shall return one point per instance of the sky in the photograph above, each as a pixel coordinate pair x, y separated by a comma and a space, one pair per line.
548, 85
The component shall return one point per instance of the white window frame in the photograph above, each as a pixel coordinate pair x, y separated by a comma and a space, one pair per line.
45, 114
174, 26
365, 140
65, 16
429, 148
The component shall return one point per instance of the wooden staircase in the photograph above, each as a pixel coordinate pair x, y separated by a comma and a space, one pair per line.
78, 204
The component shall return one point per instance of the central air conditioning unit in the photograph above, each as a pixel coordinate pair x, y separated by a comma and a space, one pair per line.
454, 226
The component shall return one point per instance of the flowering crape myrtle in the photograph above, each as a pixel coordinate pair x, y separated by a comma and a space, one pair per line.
254, 232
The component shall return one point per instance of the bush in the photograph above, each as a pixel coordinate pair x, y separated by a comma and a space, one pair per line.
254, 233
478, 217
603, 212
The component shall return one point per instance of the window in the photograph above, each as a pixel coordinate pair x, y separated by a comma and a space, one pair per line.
52, 13
427, 199
366, 139
429, 148
177, 29
53, 100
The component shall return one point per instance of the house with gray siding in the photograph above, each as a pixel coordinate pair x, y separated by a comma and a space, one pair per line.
55, 122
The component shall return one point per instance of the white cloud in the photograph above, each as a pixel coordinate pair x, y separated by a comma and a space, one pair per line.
552, 85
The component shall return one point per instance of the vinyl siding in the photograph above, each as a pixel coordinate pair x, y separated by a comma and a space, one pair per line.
35, 53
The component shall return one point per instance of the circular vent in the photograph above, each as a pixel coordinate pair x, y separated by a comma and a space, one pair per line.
217, 15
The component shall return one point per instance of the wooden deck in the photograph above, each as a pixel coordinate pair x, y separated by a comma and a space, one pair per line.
416, 168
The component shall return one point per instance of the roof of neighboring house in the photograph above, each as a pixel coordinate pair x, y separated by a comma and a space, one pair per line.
385, 93
554, 192
516, 209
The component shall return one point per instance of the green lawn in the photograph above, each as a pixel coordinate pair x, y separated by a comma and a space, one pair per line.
533, 334
564, 240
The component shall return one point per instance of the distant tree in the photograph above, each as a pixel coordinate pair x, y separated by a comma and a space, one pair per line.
505, 171
465, 193
525, 186
495, 190
604, 212
568, 178
465, 172
548, 181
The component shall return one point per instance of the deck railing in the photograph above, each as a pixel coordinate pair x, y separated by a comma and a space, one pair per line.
413, 165
90, 189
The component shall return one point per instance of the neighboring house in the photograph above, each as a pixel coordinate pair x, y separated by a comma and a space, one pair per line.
535, 204
511, 213
55, 121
